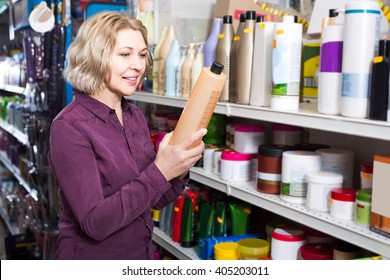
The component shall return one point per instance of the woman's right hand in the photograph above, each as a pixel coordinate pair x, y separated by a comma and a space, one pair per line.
174, 161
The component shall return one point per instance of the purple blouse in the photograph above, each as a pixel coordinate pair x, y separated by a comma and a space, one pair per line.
108, 181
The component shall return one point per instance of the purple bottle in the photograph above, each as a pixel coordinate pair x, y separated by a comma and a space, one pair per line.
211, 42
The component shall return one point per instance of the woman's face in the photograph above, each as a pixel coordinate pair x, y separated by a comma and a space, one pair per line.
128, 62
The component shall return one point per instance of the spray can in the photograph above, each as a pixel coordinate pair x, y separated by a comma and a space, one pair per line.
360, 43
286, 64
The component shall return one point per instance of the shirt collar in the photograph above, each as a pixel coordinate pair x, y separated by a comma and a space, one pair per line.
98, 108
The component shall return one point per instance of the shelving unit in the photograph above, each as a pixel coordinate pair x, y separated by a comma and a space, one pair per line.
20, 136
180, 252
307, 117
12, 89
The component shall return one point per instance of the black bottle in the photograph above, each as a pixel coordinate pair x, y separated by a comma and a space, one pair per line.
379, 88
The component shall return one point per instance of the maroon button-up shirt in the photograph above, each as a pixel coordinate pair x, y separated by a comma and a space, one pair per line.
108, 181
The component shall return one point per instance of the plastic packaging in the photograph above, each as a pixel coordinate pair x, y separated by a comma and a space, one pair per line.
211, 42
366, 169
163, 54
286, 64
363, 208
283, 134
235, 166
286, 243
172, 61
156, 58
261, 81
270, 168
319, 186
224, 46
201, 104
220, 223
361, 33
296, 165
248, 137
315, 251
197, 64
342, 203
379, 84
253, 248
226, 251
245, 58
186, 71
233, 60
239, 213
216, 130
183, 55
330, 76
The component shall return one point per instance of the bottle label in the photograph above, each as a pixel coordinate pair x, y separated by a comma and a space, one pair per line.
355, 85
331, 57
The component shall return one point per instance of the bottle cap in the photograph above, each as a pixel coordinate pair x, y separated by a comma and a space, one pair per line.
259, 19
242, 18
227, 19
250, 15
333, 13
216, 68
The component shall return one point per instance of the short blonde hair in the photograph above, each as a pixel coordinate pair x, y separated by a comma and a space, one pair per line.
88, 57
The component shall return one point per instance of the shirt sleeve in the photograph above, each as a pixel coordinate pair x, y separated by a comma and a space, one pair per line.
72, 160
171, 195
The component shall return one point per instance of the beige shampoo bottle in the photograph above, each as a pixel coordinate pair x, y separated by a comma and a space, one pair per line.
156, 58
201, 103
163, 54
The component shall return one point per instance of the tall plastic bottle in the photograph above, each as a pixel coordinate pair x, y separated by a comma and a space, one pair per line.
245, 58
233, 60
330, 76
164, 51
211, 42
186, 71
201, 103
171, 64
222, 54
156, 58
286, 64
183, 55
197, 64
379, 90
361, 33
261, 84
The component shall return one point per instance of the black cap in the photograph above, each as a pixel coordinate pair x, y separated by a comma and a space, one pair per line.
227, 19
259, 19
250, 15
216, 68
333, 13
384, 48
242, 17
273, 150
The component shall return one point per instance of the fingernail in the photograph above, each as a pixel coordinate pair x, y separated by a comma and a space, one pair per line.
204, 131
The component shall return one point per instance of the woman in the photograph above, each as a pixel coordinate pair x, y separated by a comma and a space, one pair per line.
100, 147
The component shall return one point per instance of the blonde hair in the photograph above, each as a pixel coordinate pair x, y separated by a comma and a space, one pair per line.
88, 57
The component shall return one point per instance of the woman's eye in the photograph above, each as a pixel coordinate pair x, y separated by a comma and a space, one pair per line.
142, 55
124, 54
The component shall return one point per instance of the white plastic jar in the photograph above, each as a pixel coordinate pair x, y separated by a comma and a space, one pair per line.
319, 185
286, 243
208, 157
248, 137
342, 203
296, 165
235, 166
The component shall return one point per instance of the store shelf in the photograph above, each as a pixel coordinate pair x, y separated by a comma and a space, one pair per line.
15, 171
22, 138
307, 116
12, 89
166, 242
346, 230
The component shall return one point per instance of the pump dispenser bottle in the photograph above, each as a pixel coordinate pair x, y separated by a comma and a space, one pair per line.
223, 52
156, 58
211, 42
379, 90
164, 51
233, 60
261, 84
245, 57
201, 103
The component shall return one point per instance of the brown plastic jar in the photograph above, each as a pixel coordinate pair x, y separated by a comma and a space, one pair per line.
270, 167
